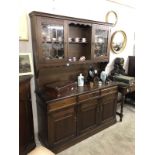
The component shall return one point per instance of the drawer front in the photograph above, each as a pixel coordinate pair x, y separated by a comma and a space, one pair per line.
88, 103
108, 97
88, 96
111, 90
63, 103
63, 113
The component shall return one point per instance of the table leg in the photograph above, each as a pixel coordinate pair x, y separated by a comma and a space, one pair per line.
122, 105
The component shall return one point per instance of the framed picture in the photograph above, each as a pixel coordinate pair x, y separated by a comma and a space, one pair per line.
23, 27
25, 64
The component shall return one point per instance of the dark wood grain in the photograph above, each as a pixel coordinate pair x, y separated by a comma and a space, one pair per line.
87, 115
67, 113
26, 130
73, 27
72, 118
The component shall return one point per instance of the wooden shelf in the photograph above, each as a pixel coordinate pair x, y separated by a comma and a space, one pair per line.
78, 42
60, 42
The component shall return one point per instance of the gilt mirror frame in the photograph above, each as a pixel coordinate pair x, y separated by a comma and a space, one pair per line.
118, 49
108, 15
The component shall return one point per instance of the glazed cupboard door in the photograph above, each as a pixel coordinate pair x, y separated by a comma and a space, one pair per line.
100, 42
51, 40
61, 122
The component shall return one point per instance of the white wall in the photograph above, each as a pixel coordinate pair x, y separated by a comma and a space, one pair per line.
88, 9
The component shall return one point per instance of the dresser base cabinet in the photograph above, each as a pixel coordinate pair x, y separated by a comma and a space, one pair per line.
67, 121
26, 130
81, 137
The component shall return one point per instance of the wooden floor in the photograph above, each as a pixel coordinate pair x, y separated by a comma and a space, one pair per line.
118, 139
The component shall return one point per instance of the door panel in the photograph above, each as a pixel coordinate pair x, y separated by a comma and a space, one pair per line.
108, 107
100, 39
51, 39
107, 110
87, 115
62, 125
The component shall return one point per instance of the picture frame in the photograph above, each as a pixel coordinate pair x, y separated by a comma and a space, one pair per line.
25, 64
118, 41
23, 27
111, 16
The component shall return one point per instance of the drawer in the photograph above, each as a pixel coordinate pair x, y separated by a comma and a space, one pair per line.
59, 114
111, 90
88, 96
63, 103
110, 96
88, 103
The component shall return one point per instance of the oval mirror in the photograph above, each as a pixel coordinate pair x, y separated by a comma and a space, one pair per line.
118, 41
111, 17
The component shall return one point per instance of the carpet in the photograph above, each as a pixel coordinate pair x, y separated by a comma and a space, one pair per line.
118, 139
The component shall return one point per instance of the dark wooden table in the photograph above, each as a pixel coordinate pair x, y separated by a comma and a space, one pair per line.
124, 89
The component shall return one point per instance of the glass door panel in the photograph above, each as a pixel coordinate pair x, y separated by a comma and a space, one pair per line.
52, 37
101, 42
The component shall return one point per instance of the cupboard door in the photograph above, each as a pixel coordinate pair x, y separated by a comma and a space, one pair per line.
50, 39
100, 48
87, 115
108, 106
61, 125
